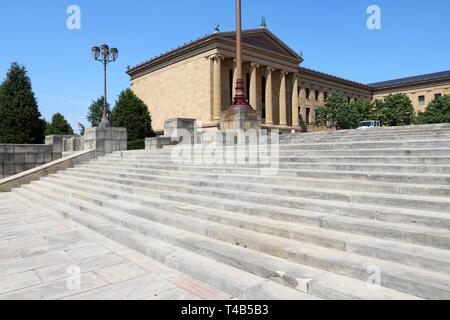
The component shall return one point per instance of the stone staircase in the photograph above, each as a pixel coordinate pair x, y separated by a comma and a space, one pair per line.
345, 209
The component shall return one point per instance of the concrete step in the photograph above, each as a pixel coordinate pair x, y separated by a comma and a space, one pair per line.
213, 183
394, 177
288, 138
285, 177
312, 212
285, 208
314, 282
425, 283
292, 153
418, 256
428, 129
439, 160
234, 281
286, 168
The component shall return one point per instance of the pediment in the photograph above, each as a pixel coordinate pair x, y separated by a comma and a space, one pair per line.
265, 40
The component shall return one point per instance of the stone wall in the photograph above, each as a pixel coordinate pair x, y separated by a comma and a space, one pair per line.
15, 159
181, 90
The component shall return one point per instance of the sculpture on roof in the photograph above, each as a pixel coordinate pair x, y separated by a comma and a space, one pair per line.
263, 22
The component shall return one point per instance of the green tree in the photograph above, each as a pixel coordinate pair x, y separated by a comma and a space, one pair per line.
132, 113
20, 119
396, 110
366, 110
59, 125
437, 111
328, 113
348, 117
95, 113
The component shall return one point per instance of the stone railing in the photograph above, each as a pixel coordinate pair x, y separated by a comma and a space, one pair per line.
65, 143
16, 181
16, 158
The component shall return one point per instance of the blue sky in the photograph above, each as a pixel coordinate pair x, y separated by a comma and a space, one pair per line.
331, 34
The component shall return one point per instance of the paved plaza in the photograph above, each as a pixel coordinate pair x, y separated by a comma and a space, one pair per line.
41, 253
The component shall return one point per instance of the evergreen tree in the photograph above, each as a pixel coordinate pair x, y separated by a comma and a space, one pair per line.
59, 125
20, 119
95, 113
438, 111
132, 113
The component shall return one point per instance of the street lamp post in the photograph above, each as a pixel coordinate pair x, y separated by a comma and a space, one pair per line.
105, 56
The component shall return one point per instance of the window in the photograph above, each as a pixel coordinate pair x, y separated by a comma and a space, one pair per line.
316, 117
437, 95
308, 93
308, 112
421, 100
325, 96
316, 94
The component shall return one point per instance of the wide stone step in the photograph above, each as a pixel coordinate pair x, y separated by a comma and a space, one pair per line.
241, 284
405, 201
440, 160
423, 283
286, 168
292, 154
426, 130
313, 212
417, 256
304, 138
407, 144
284, 177
394, 177
234, 281
284, 208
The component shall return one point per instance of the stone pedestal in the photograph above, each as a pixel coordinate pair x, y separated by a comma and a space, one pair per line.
57, 142
178, 127
105, 140
240, 119
176, 131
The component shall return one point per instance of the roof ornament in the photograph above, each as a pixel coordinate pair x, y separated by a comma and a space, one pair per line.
263, 22
216, 28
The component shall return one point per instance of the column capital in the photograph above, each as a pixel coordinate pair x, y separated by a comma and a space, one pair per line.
284, 72
254, 64
216, 56
270, 69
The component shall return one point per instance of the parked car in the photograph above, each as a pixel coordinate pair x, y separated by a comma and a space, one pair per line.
369, 124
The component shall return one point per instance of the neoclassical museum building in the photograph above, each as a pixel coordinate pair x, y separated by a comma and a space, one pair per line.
196, 80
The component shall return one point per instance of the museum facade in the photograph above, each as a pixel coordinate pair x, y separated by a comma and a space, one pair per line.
196, 80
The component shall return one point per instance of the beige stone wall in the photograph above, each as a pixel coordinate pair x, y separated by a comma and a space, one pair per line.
415, 92
181, 90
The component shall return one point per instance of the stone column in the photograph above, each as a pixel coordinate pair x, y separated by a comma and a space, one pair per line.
269, 96
303, 102
295, 100
283, 103
217, 104
321, 98
253, 80
234, 77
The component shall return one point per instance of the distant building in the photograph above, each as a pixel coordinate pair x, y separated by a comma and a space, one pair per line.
197, 80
